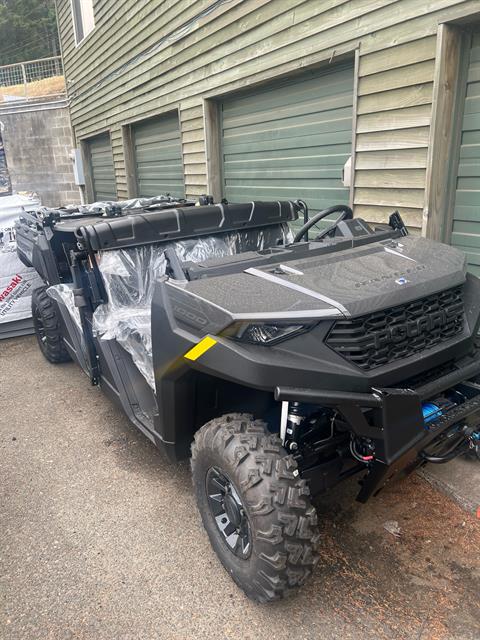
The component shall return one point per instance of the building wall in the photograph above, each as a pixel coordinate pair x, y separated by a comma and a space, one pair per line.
38, 141
146, 58
5, 186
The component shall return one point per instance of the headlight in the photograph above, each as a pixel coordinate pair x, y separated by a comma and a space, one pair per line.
264, 333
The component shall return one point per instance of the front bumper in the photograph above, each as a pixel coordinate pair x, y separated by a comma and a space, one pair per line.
392, 418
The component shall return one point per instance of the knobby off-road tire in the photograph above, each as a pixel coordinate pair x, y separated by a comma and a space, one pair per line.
47, 327
276, 501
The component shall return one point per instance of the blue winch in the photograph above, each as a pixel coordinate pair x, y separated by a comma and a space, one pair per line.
430, 412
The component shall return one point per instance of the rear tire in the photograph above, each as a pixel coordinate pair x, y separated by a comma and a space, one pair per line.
279, 521
47, 327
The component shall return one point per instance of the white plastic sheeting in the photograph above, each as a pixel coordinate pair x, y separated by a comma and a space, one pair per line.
63, 294
17, 281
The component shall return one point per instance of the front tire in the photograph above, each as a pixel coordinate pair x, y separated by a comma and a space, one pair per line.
47, 327
254, 505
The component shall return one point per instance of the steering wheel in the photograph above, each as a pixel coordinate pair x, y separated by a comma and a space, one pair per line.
345, 214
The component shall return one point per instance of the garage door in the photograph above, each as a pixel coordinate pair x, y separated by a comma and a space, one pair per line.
290, 140
158, 157
466, 216
101, 168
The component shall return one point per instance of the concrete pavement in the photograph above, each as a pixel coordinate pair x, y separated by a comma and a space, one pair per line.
459, 479
100, 538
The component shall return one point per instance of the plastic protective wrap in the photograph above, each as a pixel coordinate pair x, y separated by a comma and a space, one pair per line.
63, 295
136, 203
130, 274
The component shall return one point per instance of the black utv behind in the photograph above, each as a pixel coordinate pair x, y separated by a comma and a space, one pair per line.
284, 365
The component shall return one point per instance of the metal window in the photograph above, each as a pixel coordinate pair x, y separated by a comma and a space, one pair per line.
83, 18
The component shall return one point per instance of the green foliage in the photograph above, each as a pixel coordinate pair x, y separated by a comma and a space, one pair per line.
28, 30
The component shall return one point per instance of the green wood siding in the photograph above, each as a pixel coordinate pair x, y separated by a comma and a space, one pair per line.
158, 157
466, 217
179, 52
101, 168
290, 140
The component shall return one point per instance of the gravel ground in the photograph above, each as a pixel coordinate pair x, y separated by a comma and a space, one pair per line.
100, 538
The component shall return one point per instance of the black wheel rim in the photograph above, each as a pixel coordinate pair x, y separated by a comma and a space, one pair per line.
228, 513
40, 330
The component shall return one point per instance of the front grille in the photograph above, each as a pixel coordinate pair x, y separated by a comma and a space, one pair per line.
381, 337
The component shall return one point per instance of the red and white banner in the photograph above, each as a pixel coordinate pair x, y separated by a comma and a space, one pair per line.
16, 280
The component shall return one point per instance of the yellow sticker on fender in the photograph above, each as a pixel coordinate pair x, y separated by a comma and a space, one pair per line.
200, 348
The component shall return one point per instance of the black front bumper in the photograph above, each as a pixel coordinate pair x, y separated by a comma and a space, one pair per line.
393, 419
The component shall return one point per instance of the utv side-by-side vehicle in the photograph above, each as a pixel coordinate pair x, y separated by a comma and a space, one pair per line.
283, 364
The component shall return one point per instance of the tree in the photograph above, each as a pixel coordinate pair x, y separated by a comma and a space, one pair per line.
28, 30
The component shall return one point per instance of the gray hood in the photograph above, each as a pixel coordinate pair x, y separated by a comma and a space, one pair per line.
344, 283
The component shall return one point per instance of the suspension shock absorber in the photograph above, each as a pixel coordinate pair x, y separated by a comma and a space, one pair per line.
294, 422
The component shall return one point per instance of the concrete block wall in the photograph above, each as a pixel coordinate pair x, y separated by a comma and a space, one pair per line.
38, 141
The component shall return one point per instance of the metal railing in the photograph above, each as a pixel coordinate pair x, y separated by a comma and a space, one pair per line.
32, 79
